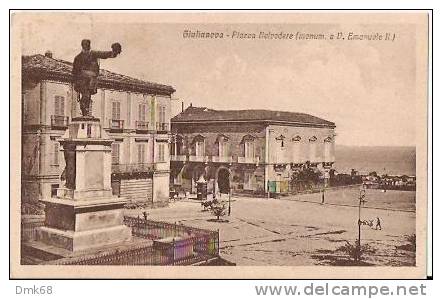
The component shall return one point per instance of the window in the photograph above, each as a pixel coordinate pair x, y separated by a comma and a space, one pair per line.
161, 154
248, 180
199, 148
249, 149
59, 105
162, 114
54, 188
115, 153
56, 152
178, 145
116, 110
141, 152
142, 112
312, 149
178, 180
223, 148
328, 150
296, 154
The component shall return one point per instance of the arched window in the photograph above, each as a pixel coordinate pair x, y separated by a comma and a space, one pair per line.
198, 145
313, 149
222, 144
329, 150
280, 149
296, 149
248, 142
177, 145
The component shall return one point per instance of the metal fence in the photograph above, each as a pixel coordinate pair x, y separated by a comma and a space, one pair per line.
186, 245
29, 228
152, 230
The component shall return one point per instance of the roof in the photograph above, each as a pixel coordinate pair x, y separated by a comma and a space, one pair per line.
203, 114
42, 67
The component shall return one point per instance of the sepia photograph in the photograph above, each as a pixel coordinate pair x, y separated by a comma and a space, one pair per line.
206, 144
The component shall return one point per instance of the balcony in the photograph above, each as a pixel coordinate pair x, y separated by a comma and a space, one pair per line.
220, 159
315, 160
141, 126
199, 158
162, 127
248, 160
133, 168
116, 124
59, 121
181, 158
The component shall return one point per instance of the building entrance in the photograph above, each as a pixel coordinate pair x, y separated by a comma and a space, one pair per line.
224, 181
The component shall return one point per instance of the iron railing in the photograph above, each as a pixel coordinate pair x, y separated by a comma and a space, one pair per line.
133, 167
141, 125
248, 160
222, 159
29, 228
162, 126
116, 124
151, 229
59, 121
173, 244
199, 158
178, 158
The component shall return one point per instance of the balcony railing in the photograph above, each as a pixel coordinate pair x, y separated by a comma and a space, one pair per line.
199, 158
248, 160
141, 125
178, 158
221, 159
162, 126
116, 124
133, 167
315, 159
59, 121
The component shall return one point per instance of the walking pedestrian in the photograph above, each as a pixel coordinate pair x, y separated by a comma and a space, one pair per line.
323, 196
378, 223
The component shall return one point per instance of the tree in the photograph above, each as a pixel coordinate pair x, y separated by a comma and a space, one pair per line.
218, 209
356, 251
307, 176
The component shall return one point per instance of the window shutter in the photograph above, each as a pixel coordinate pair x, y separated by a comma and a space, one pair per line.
141, 153
56, 105
56, 151
61, 106
115, 153
116, 110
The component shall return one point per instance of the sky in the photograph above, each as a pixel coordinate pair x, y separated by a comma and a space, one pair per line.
366, 87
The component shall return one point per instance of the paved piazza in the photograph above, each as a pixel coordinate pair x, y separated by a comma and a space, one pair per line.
298, 230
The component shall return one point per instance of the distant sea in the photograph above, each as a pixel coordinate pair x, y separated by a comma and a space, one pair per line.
393, 160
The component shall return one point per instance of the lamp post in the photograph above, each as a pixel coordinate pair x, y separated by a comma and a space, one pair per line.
230, 193
361, 202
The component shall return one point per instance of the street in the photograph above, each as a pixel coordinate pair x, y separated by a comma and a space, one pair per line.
298, 230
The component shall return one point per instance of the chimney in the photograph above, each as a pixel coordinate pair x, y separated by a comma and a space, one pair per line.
182, 106
190, 105
48, 54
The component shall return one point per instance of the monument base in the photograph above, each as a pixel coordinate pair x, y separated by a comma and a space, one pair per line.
80, 225
76, 241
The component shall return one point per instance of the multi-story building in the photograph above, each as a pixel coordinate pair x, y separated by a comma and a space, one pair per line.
255, 150
135, 113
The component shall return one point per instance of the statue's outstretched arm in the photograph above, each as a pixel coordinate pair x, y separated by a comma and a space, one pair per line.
104, 54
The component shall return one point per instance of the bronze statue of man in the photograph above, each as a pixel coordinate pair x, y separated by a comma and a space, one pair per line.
85, 72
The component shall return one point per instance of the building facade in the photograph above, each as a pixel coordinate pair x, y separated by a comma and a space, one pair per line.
254, 151
135, 113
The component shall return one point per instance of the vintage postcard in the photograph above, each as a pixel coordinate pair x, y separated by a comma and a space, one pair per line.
214, 144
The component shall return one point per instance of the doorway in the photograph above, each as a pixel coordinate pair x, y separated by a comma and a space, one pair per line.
223, 181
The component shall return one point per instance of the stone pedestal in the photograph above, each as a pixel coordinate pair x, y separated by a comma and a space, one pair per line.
84, 214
